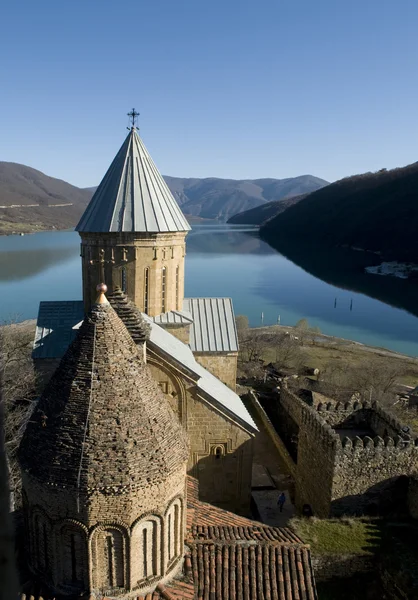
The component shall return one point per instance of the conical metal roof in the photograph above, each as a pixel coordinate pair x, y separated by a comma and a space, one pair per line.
133, 196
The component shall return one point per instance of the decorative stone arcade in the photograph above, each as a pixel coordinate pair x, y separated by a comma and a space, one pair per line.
149, 267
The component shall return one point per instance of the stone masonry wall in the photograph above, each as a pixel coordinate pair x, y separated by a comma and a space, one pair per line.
349, 476
220, 449
315, 466
379, 420
70, 535
371, 475
221, 454
121, 259
316, 455
222, 365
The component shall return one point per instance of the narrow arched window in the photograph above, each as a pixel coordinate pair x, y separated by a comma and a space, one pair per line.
169, 538
123, 279
177, 287
176, 530
145, 552
164, 289
218, 452
146, 291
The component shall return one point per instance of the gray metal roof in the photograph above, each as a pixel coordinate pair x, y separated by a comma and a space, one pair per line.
133, 196
213, 328
174, 317
207, 383
56, 327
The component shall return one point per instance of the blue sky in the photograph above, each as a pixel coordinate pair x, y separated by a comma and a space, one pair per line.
226, 88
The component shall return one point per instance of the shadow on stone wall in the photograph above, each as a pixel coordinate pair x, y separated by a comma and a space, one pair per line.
386, 498
225, 477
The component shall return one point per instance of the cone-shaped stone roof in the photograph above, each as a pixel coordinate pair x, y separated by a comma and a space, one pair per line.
103, 423
133, 196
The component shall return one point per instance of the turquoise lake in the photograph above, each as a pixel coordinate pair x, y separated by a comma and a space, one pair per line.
221, 260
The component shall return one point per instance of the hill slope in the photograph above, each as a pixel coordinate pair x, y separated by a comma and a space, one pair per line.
30, 200
213, 198
374, 211
261, 214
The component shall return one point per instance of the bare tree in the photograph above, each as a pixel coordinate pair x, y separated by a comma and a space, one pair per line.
18, 394
288, 352
252, 344
372, 380
241, 322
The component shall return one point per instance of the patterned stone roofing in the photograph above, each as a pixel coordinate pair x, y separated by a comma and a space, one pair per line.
133, 196
102, 404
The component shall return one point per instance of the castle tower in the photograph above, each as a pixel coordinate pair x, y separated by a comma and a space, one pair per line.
103, 464
133, 234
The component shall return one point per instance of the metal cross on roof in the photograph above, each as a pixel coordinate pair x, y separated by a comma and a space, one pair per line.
133, 115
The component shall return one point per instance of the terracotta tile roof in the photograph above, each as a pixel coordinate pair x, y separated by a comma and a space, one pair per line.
252, 572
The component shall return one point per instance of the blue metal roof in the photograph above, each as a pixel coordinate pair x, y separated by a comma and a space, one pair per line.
213, 328
56, 327
133, 196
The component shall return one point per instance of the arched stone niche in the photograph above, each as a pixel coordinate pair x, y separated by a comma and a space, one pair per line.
40, 541
172, 386
71, 568
109, 545
147, 550
174, 532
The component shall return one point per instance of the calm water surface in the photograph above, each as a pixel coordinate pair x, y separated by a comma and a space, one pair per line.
222, 260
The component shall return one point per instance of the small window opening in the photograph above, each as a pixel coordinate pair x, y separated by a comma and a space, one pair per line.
163, 289
123, 279
146, 291
177, 286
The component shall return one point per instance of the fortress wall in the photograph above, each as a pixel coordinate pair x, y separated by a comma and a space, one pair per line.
292, 404
371, 475
317, 449
335, 413
318, 445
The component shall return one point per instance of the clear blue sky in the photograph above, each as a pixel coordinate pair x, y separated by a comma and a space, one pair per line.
227, 88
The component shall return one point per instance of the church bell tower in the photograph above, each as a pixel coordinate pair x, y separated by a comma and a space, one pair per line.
133, 233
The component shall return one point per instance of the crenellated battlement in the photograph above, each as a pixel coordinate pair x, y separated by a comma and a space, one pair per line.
350, 455
378, 444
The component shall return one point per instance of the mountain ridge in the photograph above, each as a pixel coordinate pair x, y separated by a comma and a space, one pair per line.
32, 201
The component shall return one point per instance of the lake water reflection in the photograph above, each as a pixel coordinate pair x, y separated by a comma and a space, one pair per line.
222, 260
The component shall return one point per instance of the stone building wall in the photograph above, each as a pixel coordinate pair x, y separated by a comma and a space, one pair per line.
142, 265
222, 365
98, 541
220, 449
181, 332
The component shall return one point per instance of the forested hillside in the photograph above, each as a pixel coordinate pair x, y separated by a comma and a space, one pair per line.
260, 214
374, 211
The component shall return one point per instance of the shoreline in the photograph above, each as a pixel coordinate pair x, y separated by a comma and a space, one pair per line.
332, 340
